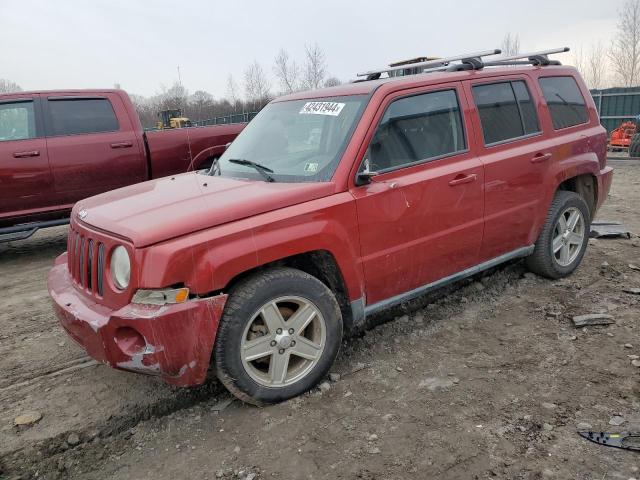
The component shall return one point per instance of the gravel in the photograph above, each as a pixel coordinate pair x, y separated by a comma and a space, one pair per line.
616, 420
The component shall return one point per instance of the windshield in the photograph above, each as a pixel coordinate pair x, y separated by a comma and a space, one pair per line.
294, 141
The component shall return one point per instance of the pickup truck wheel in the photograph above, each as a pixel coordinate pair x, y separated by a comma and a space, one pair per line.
564, 237
279, 335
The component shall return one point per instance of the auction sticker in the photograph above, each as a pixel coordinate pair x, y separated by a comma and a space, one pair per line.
322, 108
311, 167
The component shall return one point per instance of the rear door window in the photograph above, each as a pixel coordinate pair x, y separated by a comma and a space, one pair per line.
417, 128
506, 111
72, 116
566, 103
17, 121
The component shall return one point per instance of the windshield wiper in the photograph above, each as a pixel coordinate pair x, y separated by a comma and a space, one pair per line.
261, 169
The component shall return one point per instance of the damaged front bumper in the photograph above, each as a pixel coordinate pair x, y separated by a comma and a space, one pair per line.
172, 341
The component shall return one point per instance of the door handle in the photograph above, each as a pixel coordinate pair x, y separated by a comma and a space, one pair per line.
122, 145
541, 157
31, 153
464, 179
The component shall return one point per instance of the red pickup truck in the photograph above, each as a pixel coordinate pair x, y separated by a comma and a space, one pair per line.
57, 147
331, 206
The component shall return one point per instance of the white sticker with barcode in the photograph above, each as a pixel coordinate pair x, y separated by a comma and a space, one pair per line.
322, 108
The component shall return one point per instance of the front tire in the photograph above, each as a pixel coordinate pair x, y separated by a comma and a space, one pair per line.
279, 335
564, 237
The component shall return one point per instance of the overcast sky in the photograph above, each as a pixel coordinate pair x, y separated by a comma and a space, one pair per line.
94, 44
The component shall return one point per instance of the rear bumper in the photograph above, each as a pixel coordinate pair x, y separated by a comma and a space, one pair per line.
604, 185
172, 341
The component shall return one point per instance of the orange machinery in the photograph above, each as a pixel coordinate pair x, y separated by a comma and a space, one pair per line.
621, 136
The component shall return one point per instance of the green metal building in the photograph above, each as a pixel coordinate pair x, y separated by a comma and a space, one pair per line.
615, 105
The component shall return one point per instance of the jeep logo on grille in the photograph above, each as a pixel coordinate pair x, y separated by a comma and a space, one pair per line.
82, 214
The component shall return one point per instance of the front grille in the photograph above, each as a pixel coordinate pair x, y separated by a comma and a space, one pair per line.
100, 268
86, 258
89, 264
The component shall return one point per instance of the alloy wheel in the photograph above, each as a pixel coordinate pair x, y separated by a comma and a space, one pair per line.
283, 341
568, 236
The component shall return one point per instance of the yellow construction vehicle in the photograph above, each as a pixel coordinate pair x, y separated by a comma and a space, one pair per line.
172, 119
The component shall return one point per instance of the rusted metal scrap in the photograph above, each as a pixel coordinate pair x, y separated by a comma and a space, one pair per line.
609, 230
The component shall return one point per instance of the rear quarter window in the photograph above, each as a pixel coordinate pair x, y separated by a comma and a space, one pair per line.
81, 115
566, 103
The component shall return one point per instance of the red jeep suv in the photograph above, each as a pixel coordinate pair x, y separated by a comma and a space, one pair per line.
330, 206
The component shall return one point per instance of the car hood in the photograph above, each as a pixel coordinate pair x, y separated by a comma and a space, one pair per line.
158, 210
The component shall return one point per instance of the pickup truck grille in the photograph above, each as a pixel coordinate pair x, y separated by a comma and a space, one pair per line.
86, 258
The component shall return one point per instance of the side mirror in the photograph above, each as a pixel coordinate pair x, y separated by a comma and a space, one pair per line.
364, 178
366, 174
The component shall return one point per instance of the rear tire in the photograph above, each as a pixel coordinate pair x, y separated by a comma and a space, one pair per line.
634, 146
564, 237
279, 335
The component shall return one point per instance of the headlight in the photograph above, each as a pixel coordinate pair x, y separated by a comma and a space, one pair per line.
161, 296
120, 267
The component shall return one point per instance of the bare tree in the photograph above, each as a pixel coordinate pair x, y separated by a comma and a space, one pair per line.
332, 82
174, 97
510, 45
287, 72
624, 52
580, 62
147, 111
315, 68
7, 86
256, 85
201, 106
596, 66
232, 92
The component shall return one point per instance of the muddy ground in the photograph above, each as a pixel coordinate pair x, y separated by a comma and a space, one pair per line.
489, 381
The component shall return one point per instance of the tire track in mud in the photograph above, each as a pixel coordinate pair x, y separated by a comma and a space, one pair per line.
10, 384
42, 456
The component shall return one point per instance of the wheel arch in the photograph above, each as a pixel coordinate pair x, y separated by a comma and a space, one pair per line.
585, 185
577, 174
320, 264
